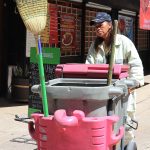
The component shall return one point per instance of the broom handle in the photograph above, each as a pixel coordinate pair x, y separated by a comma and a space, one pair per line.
42, 78
110, 71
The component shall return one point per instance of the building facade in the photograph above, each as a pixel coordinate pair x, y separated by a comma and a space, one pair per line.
72, 32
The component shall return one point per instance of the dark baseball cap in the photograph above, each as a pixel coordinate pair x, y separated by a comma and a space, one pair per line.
101, 17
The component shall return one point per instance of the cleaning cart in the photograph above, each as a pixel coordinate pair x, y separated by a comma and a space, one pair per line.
86, 113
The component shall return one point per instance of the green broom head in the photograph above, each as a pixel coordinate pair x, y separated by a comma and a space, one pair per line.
34, 14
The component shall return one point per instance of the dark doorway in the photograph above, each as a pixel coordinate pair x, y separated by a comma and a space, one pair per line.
3, 54
12, 41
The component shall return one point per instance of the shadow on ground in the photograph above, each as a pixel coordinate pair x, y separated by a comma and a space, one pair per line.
9, 102
25, 139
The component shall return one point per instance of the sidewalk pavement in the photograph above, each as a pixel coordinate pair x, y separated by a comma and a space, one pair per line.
15, 136
143, 116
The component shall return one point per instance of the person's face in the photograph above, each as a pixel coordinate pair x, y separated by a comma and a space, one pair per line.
103, 29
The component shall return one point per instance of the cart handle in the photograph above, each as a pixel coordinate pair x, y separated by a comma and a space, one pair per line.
64, 120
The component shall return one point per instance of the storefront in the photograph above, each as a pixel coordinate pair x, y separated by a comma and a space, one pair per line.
3, 58
72, 33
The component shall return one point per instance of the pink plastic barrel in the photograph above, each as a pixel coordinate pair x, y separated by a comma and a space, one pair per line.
77, 132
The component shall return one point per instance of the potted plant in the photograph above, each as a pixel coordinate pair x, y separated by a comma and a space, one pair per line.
20, 83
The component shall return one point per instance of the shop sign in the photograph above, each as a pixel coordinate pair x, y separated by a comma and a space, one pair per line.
30, 42
144, 14
68, 26
125, 26
53, 40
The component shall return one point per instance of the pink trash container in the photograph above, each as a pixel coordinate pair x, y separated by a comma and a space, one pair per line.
77, 132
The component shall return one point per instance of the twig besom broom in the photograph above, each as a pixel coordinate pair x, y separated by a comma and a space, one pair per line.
34, 16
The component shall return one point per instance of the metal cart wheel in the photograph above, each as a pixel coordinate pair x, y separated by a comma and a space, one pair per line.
131, 146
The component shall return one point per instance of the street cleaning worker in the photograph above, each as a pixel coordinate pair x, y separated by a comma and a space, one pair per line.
125, 53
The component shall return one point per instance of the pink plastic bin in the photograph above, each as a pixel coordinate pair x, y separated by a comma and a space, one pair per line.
96, 71
77, 132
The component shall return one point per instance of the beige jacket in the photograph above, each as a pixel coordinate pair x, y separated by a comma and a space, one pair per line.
125, 53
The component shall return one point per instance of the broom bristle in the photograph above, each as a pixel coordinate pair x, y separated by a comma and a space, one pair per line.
33, 13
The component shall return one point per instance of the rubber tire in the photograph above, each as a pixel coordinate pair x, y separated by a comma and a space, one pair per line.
131, 146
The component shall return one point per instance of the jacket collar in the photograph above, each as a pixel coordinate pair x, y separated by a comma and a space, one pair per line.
118, 42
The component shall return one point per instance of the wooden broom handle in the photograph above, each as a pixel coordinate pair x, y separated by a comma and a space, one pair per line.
111, 63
